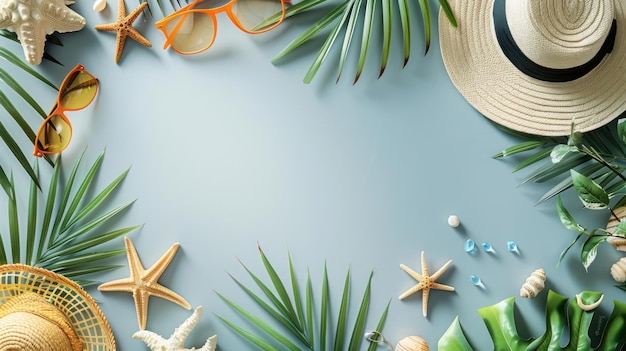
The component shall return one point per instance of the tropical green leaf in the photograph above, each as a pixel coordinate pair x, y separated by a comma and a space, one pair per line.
519, 148
359, 325
425, 10
355, 10
73, 250
500, 322
560, 151
445, 6
313, 30
381, 323
343, 314
454, 339
296, 320
405, 21
14, 230
590, 249
621, 129
590, 193
323, 53
368, 24
387, 14
345, 16
566, 218
501, 326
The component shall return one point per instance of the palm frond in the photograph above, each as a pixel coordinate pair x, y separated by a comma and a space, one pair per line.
604, 140
17, 117
291, 320
69, 244
346, 18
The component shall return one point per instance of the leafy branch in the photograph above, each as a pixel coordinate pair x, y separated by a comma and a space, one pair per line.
295, 314
595, 163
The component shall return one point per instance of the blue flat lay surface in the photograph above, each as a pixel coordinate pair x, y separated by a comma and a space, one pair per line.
228, 152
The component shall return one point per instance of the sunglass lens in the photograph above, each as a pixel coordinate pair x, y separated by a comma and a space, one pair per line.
254, 14
193, 32
54, 134
78, 91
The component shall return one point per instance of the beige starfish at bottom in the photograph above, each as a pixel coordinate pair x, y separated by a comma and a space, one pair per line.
426, 282
176, 342
143, 283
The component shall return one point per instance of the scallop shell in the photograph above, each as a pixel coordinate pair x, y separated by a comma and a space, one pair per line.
412, 343
534, 284
618, 270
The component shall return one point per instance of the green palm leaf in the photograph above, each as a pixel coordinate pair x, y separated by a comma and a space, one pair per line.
9, 107
605, 141
69, 244
345, 16
291, 317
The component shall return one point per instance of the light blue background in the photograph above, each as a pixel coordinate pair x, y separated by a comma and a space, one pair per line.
228, 151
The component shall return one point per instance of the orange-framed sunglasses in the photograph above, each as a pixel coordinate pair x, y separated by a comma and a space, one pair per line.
77, 91
192, 29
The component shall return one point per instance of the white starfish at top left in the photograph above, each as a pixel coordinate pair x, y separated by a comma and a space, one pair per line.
33, 20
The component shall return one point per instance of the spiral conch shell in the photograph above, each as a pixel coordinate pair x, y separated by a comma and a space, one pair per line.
534, 284
412, 343
618, 270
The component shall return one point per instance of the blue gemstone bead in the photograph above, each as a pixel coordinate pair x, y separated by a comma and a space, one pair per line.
470, 246
512, 246
475, 279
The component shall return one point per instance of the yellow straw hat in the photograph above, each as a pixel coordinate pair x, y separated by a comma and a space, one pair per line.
42, 310
536, 66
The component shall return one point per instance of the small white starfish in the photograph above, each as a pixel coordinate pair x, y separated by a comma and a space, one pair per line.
32, 20
176, 342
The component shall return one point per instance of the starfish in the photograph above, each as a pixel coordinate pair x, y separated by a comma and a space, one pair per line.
124, 27
426, 282
176, 342
143, 283
33, 20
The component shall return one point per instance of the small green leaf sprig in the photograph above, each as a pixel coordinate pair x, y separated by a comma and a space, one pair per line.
595, 193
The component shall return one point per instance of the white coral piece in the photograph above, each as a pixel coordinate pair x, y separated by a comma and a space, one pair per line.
176, 342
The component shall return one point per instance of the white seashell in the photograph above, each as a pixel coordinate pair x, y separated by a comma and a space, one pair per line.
618, 242
99, 5
591, 307
618, 270
534, 284
412, 343
453, 221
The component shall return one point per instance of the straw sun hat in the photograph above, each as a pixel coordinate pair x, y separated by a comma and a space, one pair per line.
537, 66
41, 310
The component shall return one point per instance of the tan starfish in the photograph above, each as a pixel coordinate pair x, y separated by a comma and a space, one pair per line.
144, 283
124, 27
426, 282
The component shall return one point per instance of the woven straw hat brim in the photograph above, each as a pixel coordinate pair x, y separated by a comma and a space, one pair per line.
497, 89
72, 300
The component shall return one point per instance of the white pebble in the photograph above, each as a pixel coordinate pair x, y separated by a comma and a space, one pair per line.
454, 221
99, 5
